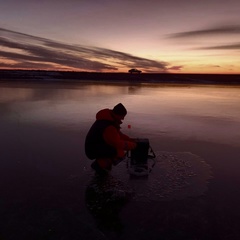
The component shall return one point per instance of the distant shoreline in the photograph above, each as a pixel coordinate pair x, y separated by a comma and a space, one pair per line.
62, 76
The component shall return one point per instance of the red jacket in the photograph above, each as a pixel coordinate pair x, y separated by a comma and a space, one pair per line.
113, 136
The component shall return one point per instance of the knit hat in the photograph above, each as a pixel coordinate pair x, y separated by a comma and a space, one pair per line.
120, 110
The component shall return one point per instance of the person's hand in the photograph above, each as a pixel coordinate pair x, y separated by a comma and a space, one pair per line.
131, 145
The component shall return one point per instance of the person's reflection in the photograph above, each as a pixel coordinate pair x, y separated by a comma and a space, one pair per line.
105, 197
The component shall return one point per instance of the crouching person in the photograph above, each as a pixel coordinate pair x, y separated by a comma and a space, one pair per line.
105, 143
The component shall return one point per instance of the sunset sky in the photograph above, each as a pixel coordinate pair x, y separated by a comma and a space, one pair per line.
185, 36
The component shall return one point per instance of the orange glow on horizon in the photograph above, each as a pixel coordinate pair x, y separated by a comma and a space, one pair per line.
188, 67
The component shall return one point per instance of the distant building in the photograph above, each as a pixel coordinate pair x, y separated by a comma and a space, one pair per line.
134, 70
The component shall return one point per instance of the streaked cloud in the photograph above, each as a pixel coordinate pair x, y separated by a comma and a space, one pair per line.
230, 29
27, 51
226, 32
234, 46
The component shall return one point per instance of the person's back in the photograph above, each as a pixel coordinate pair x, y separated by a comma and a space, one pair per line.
95, 145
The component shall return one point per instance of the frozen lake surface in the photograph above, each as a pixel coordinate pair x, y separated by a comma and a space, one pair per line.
48, 190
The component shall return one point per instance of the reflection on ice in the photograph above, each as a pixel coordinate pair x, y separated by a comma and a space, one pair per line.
105, 196
199, 112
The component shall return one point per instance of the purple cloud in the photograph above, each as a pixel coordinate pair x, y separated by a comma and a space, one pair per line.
27, 50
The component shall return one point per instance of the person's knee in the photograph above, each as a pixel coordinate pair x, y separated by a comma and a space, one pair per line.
105, 163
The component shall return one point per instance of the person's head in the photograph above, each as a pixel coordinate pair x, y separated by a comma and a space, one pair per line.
119, 112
